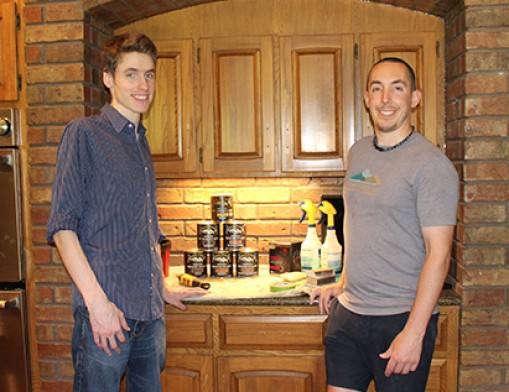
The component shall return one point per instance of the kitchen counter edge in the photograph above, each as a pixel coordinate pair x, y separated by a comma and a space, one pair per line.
447, 298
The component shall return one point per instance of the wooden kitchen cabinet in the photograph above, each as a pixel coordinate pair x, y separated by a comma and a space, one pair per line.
255, 349
274, 373
170, 119
283, 97
419, 49
193, 373
280, 348
8, 52
237, 105
317, 102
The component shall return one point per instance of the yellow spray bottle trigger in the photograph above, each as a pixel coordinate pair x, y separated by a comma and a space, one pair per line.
327, 209
309, 208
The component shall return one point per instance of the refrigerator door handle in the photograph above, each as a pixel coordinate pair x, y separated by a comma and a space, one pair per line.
13, 303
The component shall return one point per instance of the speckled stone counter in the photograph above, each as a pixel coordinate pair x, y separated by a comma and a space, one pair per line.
448, 297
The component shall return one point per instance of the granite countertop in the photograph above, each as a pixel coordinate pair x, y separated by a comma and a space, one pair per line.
448, 298
255, 292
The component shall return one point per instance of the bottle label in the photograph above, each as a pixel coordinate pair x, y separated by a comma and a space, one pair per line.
309, 259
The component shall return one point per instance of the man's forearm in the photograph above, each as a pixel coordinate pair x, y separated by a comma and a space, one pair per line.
77, 266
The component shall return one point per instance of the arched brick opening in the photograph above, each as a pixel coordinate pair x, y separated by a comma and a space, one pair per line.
63, 81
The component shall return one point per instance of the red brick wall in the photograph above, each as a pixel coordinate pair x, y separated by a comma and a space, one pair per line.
477, 131
63, 82
268, 207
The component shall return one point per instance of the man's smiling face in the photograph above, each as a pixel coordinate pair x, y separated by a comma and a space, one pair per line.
132, 87
389, 97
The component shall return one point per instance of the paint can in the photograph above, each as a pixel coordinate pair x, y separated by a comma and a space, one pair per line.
221, 207
247, 262
195, 262
234, 235
207, 235
221, 264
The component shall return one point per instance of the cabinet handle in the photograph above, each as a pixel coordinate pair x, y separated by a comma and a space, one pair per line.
6, 161
12, 304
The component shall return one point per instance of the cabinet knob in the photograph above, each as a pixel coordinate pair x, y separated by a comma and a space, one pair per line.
5, 127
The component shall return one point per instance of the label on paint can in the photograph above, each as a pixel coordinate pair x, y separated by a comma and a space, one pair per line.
221, 207
221, 264
195, 263
247, 262
208, 235
234, 235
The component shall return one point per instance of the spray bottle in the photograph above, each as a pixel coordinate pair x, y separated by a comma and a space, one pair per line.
331, 256
310, 248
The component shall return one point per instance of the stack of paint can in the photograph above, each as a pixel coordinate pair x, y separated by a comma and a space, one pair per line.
221, 242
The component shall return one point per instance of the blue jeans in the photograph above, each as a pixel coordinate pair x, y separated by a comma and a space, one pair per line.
141, 358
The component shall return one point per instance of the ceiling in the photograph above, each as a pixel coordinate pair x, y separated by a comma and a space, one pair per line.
118, 13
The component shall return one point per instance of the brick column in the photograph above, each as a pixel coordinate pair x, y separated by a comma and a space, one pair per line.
477, 133
63, 82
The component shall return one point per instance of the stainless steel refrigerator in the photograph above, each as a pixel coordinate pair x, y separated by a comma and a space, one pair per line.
14, 369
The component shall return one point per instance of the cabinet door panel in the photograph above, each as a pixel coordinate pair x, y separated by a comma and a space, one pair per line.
188, 373
418, 49
237, 105
189, 330
169, 120
8, 53
278, 373
317, 82
272, 332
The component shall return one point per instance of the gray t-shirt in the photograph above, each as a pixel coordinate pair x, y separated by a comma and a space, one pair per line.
389, 196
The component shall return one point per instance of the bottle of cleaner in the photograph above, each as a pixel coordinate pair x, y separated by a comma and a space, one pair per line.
310, 248
331, 256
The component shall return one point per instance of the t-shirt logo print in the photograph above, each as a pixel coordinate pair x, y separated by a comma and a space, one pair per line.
365, 177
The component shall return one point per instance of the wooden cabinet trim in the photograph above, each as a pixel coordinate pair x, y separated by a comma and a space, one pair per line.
272, 332
281, 373
190, 373
8, 54
170, 119
339, 130
189, 330
221, 114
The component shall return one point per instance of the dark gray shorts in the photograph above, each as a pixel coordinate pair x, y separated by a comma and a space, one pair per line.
354, 342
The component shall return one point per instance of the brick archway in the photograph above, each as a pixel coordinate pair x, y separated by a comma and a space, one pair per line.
63, 81
117, 13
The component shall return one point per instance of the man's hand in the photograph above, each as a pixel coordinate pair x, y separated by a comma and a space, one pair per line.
175, 294
403, 354
108, 323
325, 296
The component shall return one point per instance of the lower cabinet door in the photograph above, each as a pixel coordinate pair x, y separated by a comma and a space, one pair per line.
188, 373
274, 373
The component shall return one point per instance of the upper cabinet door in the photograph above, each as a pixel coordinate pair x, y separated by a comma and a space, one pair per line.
8, 53
237, 105
169, 121
419, 50
317, 102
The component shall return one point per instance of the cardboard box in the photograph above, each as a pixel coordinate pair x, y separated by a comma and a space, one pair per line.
284, 256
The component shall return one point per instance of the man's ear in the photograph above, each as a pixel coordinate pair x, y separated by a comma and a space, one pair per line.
366, 100
108, 79
416, 98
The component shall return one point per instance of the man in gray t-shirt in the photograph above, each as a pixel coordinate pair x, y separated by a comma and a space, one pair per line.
400, 196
